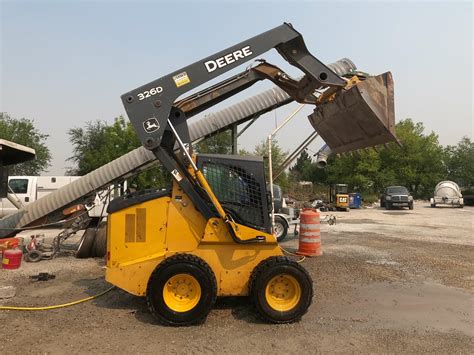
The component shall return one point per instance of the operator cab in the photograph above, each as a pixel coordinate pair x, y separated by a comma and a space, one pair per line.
239, 184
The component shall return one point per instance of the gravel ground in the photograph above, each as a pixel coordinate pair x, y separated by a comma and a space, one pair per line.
389, 281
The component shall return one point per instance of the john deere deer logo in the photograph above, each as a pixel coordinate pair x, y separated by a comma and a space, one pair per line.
151, 125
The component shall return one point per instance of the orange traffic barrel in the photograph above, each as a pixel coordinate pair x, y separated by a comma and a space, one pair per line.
310, 233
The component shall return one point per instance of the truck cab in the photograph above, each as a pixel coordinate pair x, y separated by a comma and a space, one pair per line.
27, 189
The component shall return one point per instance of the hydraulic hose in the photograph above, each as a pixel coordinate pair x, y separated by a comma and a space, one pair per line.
15, 308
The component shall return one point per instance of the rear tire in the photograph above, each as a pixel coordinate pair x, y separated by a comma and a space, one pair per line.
281, 228
99, 248
85, 247
281, 290
182, 290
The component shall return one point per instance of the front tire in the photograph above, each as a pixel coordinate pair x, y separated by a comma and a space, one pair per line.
281, 229
281, 290
410, 206
388, 206
182, 290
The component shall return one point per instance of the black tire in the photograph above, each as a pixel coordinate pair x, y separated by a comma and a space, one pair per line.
85, 247
388, 206
382, 203
433, 205
410, 206
281, 228
33, 256
99, 247
176, 265
264, 273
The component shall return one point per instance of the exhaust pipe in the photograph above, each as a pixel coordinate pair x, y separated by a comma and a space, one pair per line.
322, 156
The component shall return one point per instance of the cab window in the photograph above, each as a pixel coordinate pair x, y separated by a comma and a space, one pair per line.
19, 186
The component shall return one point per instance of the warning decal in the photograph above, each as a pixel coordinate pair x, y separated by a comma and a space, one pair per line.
181, 79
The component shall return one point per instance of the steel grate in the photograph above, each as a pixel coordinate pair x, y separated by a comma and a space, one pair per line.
237, 191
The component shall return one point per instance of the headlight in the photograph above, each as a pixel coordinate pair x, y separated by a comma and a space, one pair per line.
388, 198
410, 198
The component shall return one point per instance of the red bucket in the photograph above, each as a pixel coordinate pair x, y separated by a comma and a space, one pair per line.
12, 258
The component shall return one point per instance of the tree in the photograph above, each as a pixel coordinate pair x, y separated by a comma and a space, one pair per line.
89, 145
23, 131
459, 162
98, 144
220, 143
418, 163
301, 166
361, 172
278, 157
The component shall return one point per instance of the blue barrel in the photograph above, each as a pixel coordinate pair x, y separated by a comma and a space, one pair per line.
355, 200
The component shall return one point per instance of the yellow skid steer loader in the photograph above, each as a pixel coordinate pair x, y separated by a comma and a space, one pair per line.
210, 235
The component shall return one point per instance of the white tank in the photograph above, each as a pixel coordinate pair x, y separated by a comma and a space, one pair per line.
447, 193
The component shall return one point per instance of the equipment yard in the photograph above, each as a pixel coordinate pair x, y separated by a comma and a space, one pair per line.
388, 281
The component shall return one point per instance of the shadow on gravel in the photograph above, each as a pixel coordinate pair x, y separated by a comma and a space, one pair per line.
440, 207
290, 237
401, 213
357, 221
114, 299
241, 308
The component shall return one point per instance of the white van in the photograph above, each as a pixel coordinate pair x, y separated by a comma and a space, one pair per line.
27, 189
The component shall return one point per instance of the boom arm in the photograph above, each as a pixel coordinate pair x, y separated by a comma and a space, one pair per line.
149, 106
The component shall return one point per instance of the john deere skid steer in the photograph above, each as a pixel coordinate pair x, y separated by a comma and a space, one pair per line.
210, 234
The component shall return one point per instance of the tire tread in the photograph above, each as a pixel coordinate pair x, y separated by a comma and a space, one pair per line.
267, 264
181, 258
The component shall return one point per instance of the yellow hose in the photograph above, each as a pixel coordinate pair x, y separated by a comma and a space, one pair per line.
302, 257
13, 308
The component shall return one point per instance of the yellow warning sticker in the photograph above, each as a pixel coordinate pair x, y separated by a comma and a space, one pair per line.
181, 79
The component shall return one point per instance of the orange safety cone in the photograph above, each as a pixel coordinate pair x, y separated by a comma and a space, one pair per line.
310, 233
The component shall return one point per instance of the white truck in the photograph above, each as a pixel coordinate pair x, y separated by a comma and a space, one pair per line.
27, 189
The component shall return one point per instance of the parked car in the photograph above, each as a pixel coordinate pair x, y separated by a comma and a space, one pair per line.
396, 196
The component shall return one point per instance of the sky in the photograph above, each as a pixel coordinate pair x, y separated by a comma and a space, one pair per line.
65, 63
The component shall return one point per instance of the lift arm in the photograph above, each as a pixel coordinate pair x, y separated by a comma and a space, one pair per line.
149, 106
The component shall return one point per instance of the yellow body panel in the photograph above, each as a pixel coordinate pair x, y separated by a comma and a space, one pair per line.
174, 225
342, 201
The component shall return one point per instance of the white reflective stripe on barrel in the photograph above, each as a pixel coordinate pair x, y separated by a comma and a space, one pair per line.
310, 240
309, 226
311, 233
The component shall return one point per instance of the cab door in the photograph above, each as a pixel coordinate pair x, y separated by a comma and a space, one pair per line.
21, 187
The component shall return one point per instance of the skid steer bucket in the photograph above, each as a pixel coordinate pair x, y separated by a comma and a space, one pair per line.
360, 117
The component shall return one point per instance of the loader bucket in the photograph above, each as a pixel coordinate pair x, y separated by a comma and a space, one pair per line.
360, 117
